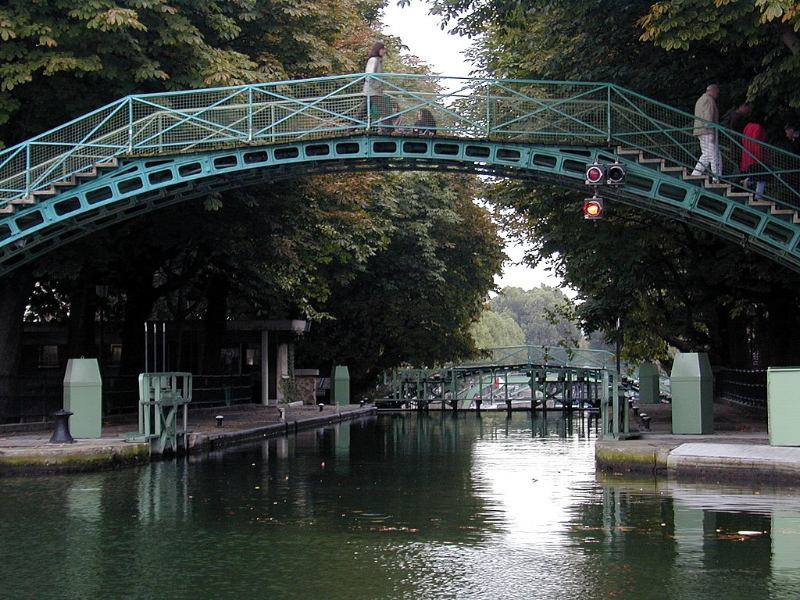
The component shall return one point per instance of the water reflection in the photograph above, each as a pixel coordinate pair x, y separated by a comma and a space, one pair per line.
418, 506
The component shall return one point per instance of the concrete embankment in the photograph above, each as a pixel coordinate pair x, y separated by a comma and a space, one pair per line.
737, 451
29, 452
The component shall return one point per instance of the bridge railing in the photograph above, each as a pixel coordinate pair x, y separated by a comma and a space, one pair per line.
554, 356
662, 131
531, 112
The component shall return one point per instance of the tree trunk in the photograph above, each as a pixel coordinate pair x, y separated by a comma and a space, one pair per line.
83, 305
216, 316
15, 291
139, 299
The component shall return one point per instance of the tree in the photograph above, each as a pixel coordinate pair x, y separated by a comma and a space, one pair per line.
415, 300
767, 29
665, 284
495, 330
537, 312
59, 60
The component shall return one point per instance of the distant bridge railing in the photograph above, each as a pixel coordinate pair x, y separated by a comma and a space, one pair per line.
552, 356
532, 112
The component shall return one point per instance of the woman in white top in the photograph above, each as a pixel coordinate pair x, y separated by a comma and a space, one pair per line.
373, 88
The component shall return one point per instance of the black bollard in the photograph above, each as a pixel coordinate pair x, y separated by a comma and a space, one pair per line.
322, 406
478, 403
508, 406
61, 434
219, 419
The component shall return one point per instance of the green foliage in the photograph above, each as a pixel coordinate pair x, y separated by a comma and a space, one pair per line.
666, 283
416, 298
540, 314
767, 29
63, 58
494, 330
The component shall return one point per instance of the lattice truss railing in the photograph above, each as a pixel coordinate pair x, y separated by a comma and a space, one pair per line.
554, 356
539, 112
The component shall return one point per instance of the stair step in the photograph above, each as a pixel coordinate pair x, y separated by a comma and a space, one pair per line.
7, 209
741, 195
644, 160
628, 151
51, 191
112, 163
24, 201
69, 182
781, 211
667, 169
689, 177
754, 202
87, 174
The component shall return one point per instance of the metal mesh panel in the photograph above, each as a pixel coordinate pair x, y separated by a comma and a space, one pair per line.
661, 131
564, 113
546, 355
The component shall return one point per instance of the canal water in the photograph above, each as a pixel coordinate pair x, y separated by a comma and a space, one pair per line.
431, 506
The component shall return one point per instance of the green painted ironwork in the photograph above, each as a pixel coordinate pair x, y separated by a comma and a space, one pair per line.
137, 154
163, 411
546, 377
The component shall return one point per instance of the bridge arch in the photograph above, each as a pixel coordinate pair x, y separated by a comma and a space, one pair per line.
150, 151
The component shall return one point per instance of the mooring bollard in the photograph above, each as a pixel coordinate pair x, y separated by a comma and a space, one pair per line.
321, 406
478, 403
219, 419
61, 434
508, 405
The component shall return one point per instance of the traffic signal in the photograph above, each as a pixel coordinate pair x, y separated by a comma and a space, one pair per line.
595, 174
593, 208
599, 174
615, 174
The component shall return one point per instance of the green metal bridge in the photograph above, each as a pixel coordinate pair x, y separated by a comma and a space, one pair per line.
147, 151
541, 376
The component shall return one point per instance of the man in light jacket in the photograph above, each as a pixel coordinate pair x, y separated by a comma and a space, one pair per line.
706, 113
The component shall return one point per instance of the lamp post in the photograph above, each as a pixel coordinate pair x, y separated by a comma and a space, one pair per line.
102, 293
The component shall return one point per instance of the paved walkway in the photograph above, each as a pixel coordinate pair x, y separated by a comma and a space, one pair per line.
32, 452
738, 450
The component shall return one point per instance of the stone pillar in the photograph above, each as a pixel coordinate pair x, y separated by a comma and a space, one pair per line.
281, 370
306, 382
265, 367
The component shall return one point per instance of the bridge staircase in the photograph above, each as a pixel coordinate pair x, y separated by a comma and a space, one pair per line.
57, 187
736, 194
147, 151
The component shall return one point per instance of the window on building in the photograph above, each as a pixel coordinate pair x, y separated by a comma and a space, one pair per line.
116, 354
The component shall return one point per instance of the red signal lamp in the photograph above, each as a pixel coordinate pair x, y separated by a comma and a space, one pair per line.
593, 208
595, 174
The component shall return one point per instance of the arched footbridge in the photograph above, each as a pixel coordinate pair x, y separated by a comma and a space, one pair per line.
147, 151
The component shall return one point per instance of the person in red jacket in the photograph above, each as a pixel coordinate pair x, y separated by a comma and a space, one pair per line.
753, 163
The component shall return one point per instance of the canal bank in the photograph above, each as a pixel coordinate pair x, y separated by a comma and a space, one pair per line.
738, 450
30, 452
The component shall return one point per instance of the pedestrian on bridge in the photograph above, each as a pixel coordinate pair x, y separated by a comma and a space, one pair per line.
373, 88
753, 163
706, 116
425, 123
